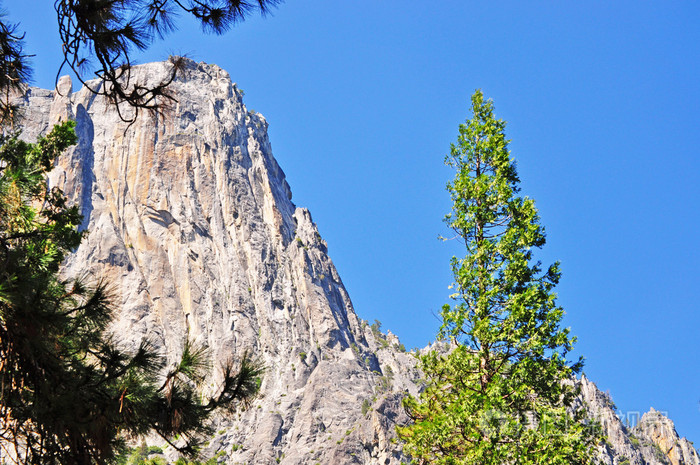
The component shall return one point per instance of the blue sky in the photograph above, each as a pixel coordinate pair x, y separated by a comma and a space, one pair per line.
602, 100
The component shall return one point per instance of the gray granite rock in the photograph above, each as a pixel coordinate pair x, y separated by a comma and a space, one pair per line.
191, 221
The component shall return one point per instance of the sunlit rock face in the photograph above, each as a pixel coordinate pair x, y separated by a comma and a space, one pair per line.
653, 441
191, 221
656, 429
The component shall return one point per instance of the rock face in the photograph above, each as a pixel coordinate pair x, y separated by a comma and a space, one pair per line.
653, 441
660, 431
191, 220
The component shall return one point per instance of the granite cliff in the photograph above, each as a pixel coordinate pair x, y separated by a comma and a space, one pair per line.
191, 220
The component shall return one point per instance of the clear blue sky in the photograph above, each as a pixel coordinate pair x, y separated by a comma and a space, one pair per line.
603, 104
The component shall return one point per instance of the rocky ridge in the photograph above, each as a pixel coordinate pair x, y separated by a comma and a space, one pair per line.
191, 220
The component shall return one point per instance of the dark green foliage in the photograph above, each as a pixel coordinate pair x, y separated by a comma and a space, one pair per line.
67, 393
386, 381
108, 31
366, 406
376, 328
500, 394
182, 461
384, 384
14, 67
98, 36
140, 456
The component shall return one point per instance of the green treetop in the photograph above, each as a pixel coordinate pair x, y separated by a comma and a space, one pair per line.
501, 393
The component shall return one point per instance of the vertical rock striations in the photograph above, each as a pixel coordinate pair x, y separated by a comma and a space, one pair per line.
653, 441
654, 428
191, 221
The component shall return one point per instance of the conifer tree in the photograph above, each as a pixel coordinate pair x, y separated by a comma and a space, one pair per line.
68, 394
100, 36
503, 392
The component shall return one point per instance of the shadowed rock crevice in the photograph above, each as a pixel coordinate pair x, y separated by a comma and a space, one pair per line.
191, 220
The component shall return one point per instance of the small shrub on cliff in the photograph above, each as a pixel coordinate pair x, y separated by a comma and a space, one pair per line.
366, 406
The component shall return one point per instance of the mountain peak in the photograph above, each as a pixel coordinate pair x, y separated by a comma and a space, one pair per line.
191, 221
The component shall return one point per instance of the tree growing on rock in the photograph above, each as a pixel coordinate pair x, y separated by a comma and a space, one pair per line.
68, 394
503, 393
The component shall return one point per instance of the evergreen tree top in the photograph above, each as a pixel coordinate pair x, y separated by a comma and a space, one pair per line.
501, 395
